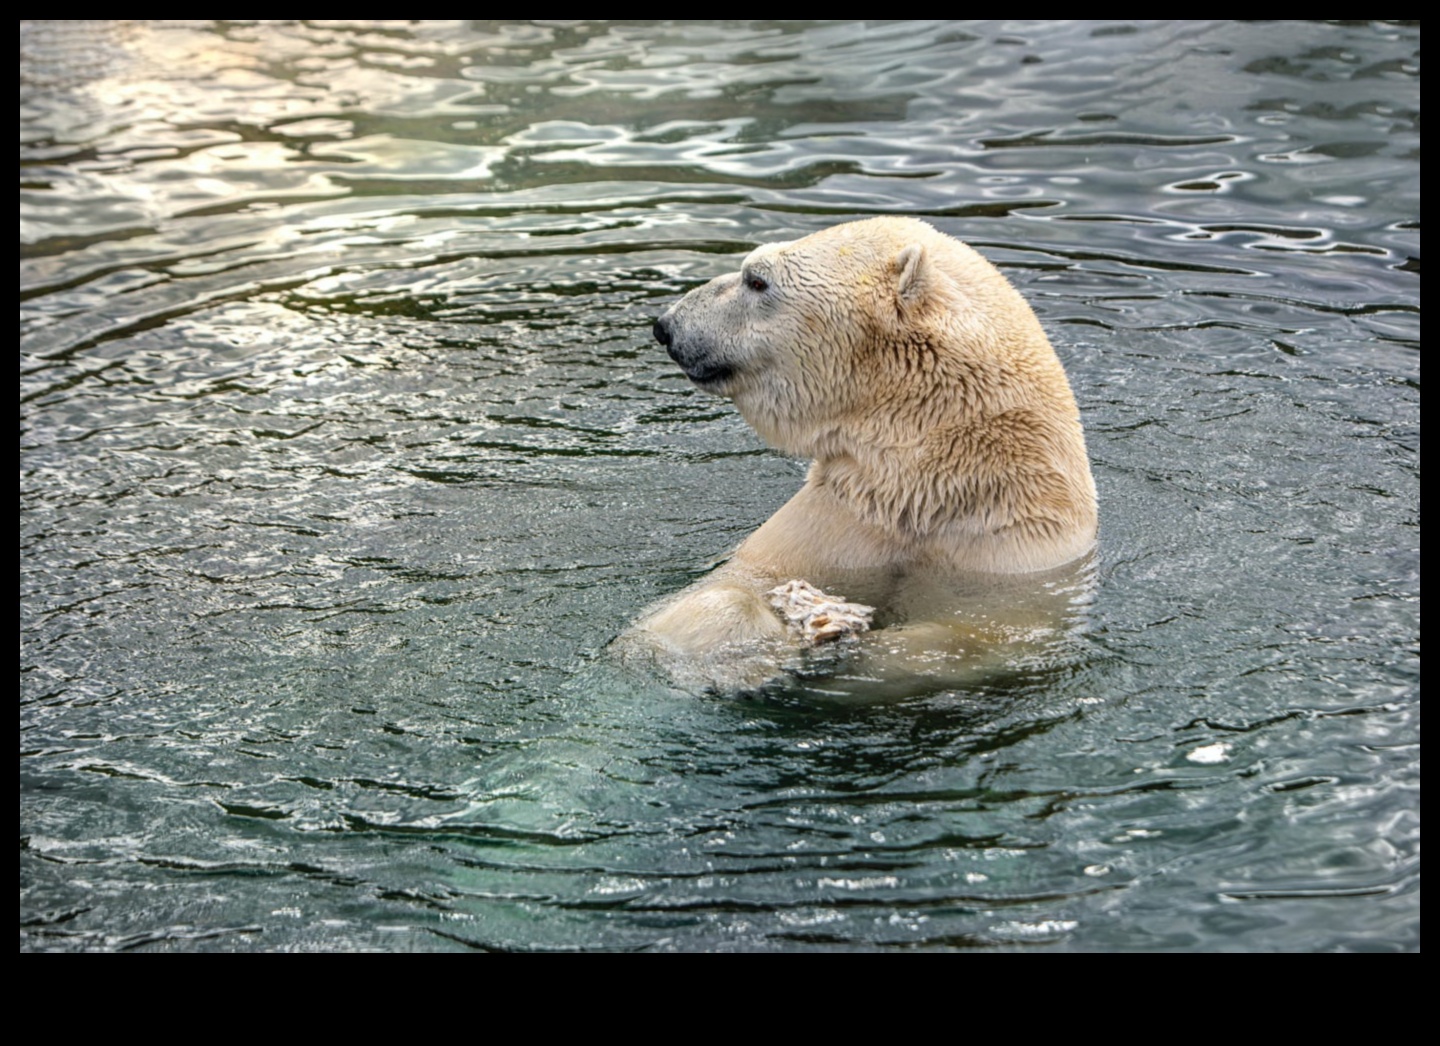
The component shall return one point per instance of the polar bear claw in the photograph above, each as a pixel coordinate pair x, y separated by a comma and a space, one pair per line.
817, 617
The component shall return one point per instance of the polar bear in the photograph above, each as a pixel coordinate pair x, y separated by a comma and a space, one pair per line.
949, 465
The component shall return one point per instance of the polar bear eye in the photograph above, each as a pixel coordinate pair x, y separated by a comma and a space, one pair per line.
755, 283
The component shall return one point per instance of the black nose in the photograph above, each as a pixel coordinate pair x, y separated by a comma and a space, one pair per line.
662, 332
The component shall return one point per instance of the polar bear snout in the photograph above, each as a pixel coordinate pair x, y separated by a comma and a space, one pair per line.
700, 364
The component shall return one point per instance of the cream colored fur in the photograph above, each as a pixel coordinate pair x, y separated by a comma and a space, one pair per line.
946, 442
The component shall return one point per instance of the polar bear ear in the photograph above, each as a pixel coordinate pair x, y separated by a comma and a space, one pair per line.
913, 284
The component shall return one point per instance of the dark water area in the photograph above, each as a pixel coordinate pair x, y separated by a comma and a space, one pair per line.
345, 450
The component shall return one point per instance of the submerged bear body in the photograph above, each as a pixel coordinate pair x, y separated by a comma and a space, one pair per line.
946, 443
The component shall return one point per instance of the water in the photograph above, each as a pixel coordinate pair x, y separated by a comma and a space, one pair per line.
345, 450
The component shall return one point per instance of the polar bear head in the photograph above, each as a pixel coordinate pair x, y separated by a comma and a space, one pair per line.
815, 335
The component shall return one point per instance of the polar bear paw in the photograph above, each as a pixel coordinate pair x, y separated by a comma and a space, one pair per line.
817, 617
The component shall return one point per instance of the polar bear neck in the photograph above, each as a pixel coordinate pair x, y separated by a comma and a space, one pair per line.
964, 450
